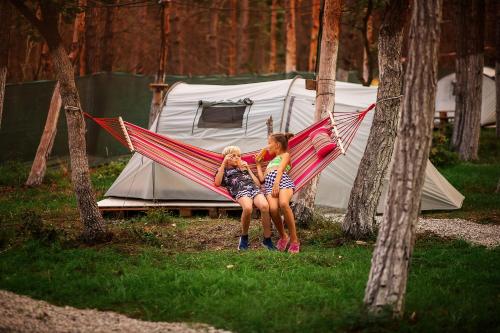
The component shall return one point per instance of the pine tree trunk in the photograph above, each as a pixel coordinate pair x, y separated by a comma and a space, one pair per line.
325, 97
313, 45
5, 16
93, 224
91, 49
390, 262
368, 41
243, 40
232, 67
39, 166
367, 188
273, 37
291, 38
177, 40
213, 41
469, 78
107, 40
497, 68
161, 74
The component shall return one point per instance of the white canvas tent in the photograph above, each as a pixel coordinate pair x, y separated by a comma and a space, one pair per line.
291, 107
445, 98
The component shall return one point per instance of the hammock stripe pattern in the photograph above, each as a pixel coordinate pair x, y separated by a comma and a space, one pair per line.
200, 165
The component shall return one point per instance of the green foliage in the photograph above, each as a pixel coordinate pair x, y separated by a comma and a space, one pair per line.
320, 290
440, 153
13, 173
33, 226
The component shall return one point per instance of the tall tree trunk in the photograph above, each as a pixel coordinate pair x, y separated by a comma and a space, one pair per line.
177, 40
367, 76
469, 78
243, 40
5, 15
94, 229
313, 45
497, 67
107, 39
161, 74
273, 37
213, 40
291, 39
232, 66
91, 49
359, 220
390, 262
39, 166
325, 96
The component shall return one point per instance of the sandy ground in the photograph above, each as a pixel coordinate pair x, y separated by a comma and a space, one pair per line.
23, 314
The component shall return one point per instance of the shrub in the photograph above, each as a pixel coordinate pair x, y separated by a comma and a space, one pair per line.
441, 153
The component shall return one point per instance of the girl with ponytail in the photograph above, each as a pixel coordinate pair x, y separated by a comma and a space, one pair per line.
279, 188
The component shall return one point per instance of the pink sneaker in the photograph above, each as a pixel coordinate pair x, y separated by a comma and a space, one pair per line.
282, 243
294, 248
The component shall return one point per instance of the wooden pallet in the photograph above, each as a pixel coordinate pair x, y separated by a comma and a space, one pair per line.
183, 208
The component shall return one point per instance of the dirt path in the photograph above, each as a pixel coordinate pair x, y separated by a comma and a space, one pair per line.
23, 314
471, 232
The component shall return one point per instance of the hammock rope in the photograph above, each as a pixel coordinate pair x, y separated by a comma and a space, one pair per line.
200, 165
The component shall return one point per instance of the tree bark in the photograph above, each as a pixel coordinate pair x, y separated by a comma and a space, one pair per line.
497, 68
388, 276
325, 97
177, 40
93, 224
232, 66
469, 78
5, 16
273, 37
291, 38
107, 40
161, 73
367, 76
243, 41
39, 165
92, 55
313, 45
360, 218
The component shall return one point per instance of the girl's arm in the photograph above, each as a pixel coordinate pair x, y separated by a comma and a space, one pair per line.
260, 174
220, 172
255, 179
285, 160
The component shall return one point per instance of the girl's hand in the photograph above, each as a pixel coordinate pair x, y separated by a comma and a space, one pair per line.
257, 159
226, 159
276, 190
243, 164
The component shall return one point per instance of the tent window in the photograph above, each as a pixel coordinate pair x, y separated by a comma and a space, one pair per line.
222, 116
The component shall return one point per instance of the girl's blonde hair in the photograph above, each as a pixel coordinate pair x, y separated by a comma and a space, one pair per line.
231, 150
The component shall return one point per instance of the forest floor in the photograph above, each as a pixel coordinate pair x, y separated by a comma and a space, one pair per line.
162, 268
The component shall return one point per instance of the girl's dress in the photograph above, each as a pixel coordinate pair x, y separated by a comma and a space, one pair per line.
285, 182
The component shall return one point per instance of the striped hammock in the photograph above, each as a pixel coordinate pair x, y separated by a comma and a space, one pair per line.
200, 165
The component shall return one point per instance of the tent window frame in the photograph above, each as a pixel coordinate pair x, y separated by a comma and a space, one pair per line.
208, 107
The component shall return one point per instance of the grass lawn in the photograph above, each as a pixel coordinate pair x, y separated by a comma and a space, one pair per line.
162, 267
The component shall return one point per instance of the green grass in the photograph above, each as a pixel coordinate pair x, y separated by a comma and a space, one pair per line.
320, 290
477, 181
164, 268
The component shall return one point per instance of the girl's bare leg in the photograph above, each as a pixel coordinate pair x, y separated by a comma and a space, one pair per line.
246, 205
261, 203
284, 204
274, 211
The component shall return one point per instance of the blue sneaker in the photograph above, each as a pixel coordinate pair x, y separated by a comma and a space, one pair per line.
243, 244
268, 244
